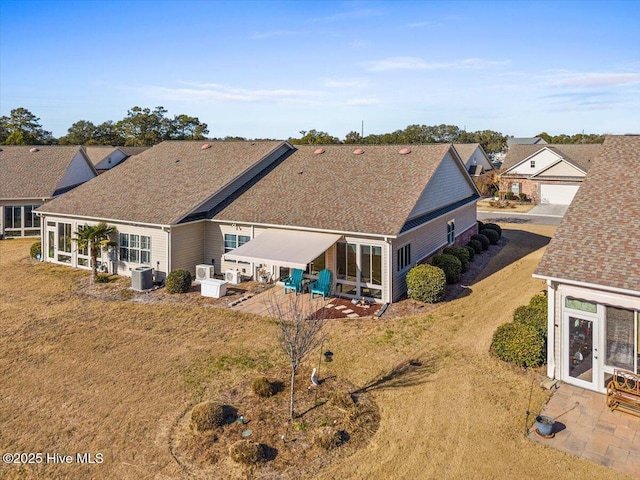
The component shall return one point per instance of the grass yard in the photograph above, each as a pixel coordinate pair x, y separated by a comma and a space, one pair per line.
79, 374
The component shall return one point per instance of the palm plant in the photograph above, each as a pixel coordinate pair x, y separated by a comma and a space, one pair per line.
95, 238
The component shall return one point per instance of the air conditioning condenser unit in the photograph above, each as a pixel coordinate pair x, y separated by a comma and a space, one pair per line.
232, 276
204, 271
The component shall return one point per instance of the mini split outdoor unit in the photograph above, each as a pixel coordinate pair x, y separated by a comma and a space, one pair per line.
204, 272
232, 276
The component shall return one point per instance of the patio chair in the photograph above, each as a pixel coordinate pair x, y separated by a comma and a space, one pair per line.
321, 286
294, 282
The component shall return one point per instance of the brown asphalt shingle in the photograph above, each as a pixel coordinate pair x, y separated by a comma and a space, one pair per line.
340, 191
162, 184
579, 155
98, 152
26, 174
598, 240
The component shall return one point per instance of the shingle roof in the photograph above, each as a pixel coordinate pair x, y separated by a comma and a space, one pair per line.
597, 241
129, 151
26, 174
98, 152
525, 141
579, 155
465, 150
162, 184
339, 191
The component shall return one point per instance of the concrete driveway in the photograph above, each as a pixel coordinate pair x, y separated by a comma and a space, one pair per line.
549, 210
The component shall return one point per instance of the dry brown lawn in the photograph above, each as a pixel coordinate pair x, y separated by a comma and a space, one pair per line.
81, 374
513, 207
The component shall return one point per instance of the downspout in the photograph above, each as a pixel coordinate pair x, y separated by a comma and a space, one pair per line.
551, 329
168, 253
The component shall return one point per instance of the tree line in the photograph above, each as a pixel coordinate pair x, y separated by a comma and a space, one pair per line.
146, 127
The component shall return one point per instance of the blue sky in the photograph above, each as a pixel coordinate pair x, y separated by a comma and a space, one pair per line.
271, 69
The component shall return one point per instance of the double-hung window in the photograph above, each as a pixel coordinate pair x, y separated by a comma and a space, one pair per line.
135, 248
233, 241
451, 232
404, 257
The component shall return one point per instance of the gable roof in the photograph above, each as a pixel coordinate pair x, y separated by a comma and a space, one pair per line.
26, 174
337, 190
98, 152
579, 155
466, 150
130, 151
525, 141
597, 241
163, 184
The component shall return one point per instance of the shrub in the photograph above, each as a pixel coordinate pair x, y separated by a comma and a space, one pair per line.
534, 314
426, 283
246, 452
471, 250
36, 250
482, 239
492, 235
539, 302
520, 344
461, 254
476, 245
207, 416
179, 281
103, 278
326, 438
480, 225
494, 226
510, 196
451, 266
262, 387
523, 197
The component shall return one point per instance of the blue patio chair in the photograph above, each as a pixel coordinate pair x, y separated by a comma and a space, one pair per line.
294, 282
322, 286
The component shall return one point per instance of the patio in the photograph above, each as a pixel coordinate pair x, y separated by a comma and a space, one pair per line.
587, 429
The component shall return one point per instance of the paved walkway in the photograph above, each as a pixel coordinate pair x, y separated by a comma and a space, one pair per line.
586, 428
263, 303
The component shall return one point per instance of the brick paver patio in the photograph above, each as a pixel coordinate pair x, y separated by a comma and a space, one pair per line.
586, 428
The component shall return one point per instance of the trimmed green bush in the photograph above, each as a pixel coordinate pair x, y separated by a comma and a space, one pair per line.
520, 344
492, 235
493, 226
480, 225
207, 416
262, 387
534, 314
476, 245
482, 239
179, 281
451, 266
36, 250
246, 452
426, 283
471, 250
461, 254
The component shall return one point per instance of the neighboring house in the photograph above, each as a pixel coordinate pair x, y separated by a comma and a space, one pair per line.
511, 141
474, 158
592, 269
547, 174
116, 156
97, 152
367, 214
33, 175
154, 199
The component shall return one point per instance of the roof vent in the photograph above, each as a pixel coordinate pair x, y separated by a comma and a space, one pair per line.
34, 150
205, 146
358, 151
319, 151
404, 151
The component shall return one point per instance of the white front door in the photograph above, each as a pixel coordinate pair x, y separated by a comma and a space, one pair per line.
581, 355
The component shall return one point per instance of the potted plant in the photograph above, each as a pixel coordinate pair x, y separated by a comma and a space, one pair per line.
544, 425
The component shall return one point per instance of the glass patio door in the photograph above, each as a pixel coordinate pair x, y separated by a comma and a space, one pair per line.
581, 354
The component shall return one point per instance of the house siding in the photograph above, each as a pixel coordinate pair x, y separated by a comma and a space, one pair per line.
187, 246
543, 159
562, 169
113, 159
428, 240
446, 186
79, 171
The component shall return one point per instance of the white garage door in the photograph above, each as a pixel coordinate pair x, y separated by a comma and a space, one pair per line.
558, 194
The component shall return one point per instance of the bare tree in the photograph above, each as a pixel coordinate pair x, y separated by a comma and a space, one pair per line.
300, 331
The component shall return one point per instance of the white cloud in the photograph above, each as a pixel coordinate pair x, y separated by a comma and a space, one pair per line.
217, 92
415, 63
593, 80
362, 101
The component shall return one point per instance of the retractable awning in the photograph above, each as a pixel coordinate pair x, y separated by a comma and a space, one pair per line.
289, 248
